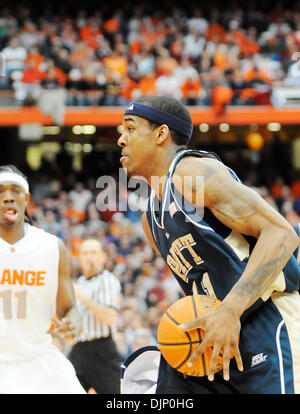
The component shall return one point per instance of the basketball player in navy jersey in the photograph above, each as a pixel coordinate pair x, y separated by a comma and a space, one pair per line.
231, 244
35, 291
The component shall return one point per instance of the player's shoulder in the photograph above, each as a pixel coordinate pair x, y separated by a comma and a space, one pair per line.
200, 166
38, 232
48, 239
194, 172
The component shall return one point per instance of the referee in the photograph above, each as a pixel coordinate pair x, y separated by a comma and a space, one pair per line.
95, 357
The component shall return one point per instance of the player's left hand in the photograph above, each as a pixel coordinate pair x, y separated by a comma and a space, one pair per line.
69, 327
222, 328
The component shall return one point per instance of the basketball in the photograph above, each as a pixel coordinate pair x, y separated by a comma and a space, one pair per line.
176, 345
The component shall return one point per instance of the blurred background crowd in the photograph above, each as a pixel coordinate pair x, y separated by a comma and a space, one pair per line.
110, 54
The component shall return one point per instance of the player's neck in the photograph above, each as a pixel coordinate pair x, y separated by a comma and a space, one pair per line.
12, 234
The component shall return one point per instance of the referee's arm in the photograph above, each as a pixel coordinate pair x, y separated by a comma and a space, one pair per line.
105, 314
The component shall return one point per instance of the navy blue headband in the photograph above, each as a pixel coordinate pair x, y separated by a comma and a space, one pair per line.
160, 117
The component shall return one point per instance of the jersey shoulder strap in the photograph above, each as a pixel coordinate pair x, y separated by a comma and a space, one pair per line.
200, 154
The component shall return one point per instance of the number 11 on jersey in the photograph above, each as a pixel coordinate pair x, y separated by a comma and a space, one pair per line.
9, 299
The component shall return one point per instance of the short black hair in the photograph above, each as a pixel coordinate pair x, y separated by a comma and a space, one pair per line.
172, 106
14, 169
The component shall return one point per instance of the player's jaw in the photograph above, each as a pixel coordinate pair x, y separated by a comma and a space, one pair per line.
136, 160
124, 158
128, 161
10, 213
134, 165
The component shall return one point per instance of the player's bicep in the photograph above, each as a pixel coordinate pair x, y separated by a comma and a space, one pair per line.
147, 231
238, 206
65, 298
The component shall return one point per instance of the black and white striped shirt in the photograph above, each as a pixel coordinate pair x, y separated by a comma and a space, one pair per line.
105, 289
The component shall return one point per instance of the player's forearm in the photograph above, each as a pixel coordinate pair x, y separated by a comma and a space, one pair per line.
271, 253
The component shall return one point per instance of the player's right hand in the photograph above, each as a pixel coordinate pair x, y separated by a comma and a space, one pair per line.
222, 329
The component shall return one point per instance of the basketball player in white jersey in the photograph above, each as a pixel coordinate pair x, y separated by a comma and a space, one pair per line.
35, 287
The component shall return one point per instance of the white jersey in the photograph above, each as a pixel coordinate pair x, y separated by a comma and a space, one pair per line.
28, 290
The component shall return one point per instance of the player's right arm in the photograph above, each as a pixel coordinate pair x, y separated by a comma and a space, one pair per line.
147, 231
243, 210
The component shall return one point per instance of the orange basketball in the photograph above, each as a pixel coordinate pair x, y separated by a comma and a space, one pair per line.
176, 345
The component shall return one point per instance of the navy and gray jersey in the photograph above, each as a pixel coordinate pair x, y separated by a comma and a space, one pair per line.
198, 248
204, 255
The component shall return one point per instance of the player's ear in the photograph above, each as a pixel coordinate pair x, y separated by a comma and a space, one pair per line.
162, 133
27, 198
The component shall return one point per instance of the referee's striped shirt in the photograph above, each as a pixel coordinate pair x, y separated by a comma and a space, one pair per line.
105, 289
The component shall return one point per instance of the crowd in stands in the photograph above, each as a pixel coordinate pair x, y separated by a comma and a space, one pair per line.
115, 53
69, 208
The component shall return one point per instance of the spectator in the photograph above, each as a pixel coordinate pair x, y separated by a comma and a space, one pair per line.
126, 91
91, 33
112, 88
197, 22
250, 46
80, 197
165, 63
190, 90
185, 70
35, 56
15, 55
52, 98
115, 62
28, 89
168, 84
147, 84
51, 225
29, 35
142, 338
62, 60
99, 51
194, 43
144, 63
